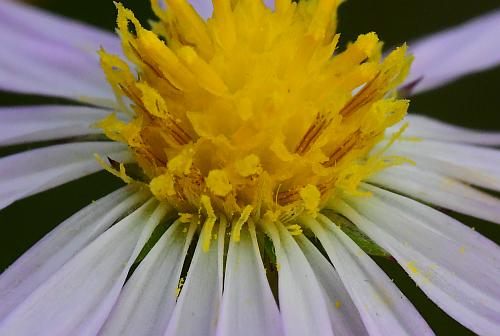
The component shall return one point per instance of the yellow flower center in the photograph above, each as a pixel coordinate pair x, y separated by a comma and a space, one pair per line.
254, 112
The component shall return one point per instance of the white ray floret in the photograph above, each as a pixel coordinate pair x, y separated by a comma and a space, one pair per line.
49, 63
454, 265
45, 258
344, 316
383, 308
78, 297
448, 55
423, 127
50, 122
303, 307
248, 306
196, 311
31, 172
439, 190
148, 298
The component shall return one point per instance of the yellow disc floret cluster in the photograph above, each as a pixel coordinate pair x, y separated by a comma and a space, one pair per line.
253, 112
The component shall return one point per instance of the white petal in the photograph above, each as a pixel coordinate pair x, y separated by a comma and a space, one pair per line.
383, 308
31, 172
77, 299
248, 306
61, 244
148, 298
461, 50
439, 190
203, 7
454, 265
50, 122
344, 315
473, 164
427, 128
49, 55
303, 307
197, 309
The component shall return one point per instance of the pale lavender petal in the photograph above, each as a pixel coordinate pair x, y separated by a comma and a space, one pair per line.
472, 164
447, 55
427, 128
454, 265
383, 308
203, 7
48, 55
48, 255
148, 298
269, 4
439, 190
34, 171
303, 306
344, 316
45, 25
197, 308
77, 299
248, 306
49, 122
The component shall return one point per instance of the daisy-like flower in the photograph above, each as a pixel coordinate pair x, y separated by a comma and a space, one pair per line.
263, 166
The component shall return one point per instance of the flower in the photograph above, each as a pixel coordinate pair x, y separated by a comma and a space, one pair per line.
263, 165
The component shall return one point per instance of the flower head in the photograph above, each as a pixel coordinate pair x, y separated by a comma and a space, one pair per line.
264, 164
248, 114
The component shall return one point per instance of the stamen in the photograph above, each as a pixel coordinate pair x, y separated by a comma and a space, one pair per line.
343, 149
319, 125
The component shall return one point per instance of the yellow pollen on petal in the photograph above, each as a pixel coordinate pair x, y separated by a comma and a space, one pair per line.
253, 111
411, 266
179, 287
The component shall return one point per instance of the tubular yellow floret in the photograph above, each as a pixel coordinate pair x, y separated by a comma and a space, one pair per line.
323, 22
245, 214
294, 229
192, 24
252, 111
224, 25
206, 231
206, 76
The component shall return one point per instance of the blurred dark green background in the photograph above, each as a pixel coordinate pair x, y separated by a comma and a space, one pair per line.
473, 101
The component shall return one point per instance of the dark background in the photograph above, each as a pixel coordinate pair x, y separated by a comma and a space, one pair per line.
473, 101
